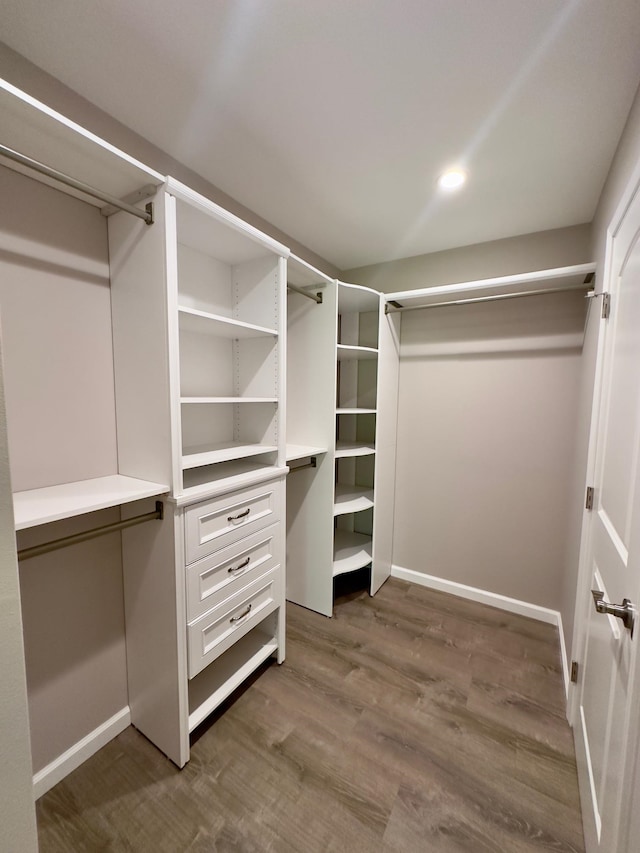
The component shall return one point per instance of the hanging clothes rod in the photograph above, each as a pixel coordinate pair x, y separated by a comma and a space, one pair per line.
64, 541
391, 307
23, 160
317, 297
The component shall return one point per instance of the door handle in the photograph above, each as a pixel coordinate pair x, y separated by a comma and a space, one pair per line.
625, 611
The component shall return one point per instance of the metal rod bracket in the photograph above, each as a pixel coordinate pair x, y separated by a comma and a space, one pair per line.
316, 297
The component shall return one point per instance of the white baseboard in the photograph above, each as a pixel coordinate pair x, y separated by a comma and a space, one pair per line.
61, 766
493, 599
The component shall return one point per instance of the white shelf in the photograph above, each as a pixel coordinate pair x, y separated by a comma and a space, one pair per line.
201, 483
197, 457
301, 451
34, 129
302, 274
355, 411
205, 226
351, 551
350, 498
218, 681
204, 323
353, 448
351, 353
355, 298
540, 279
234, 400
41, 506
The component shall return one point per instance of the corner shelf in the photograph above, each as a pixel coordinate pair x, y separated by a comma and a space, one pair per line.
345, 352
53, 503
351, 551
353, 448
349, 498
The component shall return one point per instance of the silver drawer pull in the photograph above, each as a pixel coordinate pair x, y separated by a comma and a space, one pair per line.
233, 570
239, 515
241, 615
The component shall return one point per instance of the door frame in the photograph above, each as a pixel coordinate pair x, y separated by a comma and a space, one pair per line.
631, 773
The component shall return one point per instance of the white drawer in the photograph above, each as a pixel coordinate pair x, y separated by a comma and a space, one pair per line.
221, 627
225, 572
211, 525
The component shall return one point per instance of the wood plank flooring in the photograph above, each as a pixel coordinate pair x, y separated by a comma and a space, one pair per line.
413, 721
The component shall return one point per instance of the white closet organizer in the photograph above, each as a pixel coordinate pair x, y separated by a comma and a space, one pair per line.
41, 134
225, 283
197, 310
68, 456
356, 411
224, 301
344, 354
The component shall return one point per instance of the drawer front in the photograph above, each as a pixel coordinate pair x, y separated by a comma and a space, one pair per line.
224, 573
221, 627
211, 525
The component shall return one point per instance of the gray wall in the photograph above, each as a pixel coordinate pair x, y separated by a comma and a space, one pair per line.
17, 812
486, 420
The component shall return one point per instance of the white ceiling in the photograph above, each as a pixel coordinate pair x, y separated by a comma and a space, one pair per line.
333, 118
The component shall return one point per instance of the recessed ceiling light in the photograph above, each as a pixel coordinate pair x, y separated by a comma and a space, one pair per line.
452, 179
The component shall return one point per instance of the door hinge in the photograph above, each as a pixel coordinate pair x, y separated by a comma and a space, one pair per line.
606, 305
574, 671
589, 501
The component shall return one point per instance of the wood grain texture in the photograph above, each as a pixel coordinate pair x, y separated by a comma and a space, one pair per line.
413, 721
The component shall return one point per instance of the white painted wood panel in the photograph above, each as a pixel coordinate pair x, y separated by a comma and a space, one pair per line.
386, 436
311, 399
222, 574
221, 627
211, 525
42, 506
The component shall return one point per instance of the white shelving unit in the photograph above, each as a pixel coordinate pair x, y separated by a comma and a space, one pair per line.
226, 307
188, 331
74, 449
223, 310
356, 354
340, 513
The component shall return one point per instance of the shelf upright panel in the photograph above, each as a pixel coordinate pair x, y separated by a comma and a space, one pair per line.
386, 430
311, 380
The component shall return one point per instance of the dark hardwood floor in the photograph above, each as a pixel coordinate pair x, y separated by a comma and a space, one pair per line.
412, 721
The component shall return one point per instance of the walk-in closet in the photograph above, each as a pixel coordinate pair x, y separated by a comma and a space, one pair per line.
319, 461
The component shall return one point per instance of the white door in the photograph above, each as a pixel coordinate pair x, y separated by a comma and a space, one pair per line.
606, 717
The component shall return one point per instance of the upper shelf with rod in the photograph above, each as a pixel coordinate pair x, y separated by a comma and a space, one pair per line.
305, 279
559, 280
35, 132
